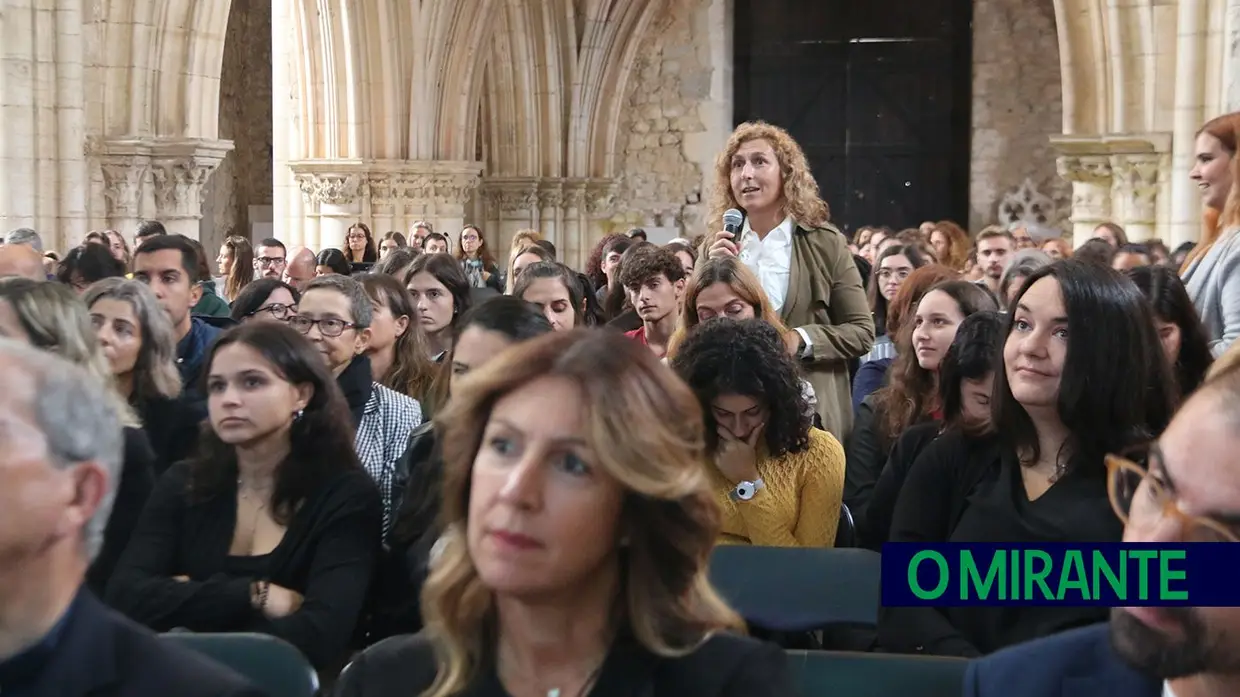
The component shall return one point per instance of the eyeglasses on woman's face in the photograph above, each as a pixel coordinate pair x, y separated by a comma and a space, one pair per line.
329, 326
1144, 497
278, 311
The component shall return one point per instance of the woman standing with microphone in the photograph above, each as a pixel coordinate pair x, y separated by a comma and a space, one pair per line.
769, 215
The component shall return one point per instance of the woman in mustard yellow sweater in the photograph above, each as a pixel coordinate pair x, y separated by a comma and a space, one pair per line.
778, 480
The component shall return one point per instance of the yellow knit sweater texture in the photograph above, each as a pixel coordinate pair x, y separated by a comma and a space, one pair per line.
799, 505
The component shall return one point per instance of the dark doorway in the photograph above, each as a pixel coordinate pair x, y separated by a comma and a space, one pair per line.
878, 94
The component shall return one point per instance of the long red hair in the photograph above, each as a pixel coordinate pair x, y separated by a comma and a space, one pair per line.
1227, 129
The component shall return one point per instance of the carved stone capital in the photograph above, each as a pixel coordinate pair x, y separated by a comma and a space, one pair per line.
511, 195
176, 168
330, 188
574, 194
600, 197
122, 186
178, 186
453, 188
551, 194
1085, 169
1135, 184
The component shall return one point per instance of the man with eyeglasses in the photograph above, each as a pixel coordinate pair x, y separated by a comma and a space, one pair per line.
270, 259
1185, 487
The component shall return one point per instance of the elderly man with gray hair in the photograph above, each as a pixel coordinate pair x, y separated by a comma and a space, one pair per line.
60, 455
24, 235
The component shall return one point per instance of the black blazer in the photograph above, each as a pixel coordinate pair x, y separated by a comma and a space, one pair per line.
725, 666
135, 485
1075, 663
327, 555
416, 496
102, 654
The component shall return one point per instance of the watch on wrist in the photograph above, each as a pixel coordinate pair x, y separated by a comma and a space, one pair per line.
745, 491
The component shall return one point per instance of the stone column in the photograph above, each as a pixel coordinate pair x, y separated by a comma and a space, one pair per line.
1090, 176
44, 175
451, 191
600, 198
1231, 56
512, 204
574, 221
550, 205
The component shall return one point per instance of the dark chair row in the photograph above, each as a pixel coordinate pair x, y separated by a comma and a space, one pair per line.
280, 670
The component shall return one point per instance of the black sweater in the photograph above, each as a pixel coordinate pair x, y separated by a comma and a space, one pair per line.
724, 666
136, 481
963, 489
327, 555
874, 520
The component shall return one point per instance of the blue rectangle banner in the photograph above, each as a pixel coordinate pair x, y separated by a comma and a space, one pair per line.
1077, 574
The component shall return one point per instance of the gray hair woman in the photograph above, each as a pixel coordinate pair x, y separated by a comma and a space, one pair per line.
137, 339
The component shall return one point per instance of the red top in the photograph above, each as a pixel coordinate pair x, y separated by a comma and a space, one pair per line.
638, 335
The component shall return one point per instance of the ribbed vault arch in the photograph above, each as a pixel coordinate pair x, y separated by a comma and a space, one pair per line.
168, 81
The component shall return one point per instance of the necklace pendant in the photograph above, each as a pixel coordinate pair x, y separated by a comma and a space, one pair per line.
554, 692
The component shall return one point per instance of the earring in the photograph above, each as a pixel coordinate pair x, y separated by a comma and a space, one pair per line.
297, 415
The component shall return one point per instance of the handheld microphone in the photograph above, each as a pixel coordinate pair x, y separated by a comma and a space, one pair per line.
732, 220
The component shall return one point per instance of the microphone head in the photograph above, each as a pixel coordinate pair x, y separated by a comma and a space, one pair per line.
733, 218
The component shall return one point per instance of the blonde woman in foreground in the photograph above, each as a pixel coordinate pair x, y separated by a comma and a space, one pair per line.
574, 558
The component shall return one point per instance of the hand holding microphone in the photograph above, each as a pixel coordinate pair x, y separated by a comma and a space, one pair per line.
725, 241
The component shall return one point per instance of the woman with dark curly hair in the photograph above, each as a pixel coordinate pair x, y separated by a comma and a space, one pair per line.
778, 480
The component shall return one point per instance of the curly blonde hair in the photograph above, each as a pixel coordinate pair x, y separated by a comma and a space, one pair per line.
800, 191
670, 517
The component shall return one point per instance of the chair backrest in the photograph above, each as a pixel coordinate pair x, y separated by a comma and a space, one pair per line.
830, 673
275, 666
846, 531
798, 589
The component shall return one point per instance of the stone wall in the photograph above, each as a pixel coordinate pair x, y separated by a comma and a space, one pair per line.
1017, 105
244, 178
660, 180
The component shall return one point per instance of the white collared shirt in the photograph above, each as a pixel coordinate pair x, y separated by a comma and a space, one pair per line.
770, 259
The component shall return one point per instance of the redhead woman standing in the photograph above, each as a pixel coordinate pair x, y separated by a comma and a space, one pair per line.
1212, 272
802, 260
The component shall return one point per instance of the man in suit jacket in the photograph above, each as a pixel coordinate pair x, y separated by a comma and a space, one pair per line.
1190, 491
60, 454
